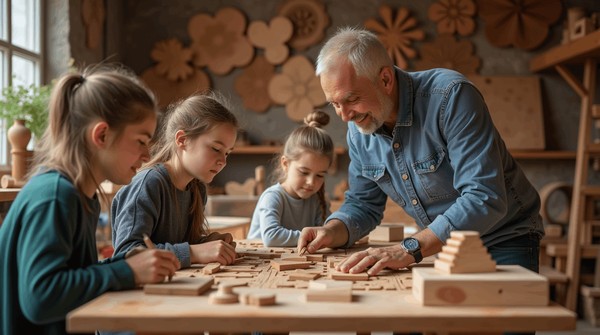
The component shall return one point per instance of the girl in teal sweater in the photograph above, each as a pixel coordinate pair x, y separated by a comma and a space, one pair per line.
100, 123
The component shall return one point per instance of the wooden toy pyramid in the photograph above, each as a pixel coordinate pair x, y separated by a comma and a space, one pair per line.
464, 252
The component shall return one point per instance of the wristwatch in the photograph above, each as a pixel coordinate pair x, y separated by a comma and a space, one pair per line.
411, 246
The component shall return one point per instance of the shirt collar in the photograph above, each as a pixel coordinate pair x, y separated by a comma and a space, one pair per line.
405, 106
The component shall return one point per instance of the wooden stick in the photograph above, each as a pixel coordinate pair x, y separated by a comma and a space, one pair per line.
150, 245
302, 251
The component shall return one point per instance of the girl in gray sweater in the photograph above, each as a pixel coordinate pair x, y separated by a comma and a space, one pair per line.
166, 199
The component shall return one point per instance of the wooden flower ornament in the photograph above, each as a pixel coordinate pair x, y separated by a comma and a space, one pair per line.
448, 53
521, 23
397, 33
272, 38
219, 42
297, 87
252, 85
453, 16
309, 18
173, 60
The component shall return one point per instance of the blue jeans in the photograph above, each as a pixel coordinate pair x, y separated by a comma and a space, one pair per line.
522, 250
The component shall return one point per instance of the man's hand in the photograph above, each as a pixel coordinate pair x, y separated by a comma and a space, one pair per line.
393, 257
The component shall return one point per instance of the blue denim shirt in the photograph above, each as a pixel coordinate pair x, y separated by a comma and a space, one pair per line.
444, 163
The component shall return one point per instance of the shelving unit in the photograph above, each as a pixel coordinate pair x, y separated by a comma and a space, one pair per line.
584, 50
539, 154
269, 149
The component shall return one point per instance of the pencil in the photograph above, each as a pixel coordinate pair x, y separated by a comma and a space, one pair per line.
148, 242
302, 251
150, 245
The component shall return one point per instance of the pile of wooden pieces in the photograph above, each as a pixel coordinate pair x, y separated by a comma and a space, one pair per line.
464, 253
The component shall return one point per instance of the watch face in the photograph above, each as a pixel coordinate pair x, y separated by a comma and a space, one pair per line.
411, 244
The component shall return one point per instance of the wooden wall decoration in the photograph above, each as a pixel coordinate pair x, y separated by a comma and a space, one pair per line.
297, 87
445, 51
93, 14
173, 59
523, 24
272, 38
515, 105
252, 85
453, 16
310, 20
220, 42
397, 33
168, 91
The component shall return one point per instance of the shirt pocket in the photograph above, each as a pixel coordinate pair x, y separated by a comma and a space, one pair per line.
377, 174
436, 175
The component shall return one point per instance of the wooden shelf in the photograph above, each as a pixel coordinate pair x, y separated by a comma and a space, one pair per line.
573, 52
542, 154
270, 149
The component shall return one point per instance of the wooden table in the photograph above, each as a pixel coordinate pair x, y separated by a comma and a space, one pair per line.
237, 226
390, 309
8, 194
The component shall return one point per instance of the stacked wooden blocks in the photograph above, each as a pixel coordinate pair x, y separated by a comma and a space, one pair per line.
464, 253
465, 275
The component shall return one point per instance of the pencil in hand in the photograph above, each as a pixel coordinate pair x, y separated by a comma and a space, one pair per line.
148, 242
302, 251
150, 245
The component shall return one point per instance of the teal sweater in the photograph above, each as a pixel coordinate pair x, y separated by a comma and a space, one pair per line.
48, 258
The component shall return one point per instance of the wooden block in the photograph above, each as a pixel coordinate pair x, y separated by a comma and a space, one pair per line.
181, 286
211, 268
464, 267
293, 257
387, 233
510, 285
485, 257
464, 234
336, 275
329, 285
329, 290
303, 275
258, 299
220, 298
281, 265
314, 257
226, 286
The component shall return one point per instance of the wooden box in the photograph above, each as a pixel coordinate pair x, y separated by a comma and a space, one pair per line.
591, 304
510, 285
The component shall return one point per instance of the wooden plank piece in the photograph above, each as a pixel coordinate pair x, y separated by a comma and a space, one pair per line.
511, 285
181, 286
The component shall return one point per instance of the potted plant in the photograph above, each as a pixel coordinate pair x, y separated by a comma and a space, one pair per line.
26, 103
25, 110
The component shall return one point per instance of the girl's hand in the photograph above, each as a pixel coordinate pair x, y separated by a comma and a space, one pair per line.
152, 265
215, 236
213, 251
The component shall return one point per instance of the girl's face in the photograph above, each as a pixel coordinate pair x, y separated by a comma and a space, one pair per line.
304, 176
206, 155
126, 154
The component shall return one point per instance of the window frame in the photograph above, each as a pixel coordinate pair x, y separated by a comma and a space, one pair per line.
9, 50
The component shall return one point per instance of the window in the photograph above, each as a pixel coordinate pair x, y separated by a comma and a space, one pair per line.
20, 51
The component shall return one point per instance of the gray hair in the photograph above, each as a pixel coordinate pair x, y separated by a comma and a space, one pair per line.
360, 47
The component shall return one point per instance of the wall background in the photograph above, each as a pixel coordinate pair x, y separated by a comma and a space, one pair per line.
134, 26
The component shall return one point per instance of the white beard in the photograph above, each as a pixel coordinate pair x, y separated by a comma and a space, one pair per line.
386, 106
